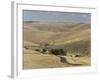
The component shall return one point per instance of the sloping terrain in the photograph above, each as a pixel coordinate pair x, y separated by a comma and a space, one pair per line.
75, 37
60, 33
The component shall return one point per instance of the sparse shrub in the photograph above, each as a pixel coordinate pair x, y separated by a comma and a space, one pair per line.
77, 55
26, 47
37, 50
44, 50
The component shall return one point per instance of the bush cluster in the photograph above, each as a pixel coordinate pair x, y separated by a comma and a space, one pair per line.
58, 52
53, 51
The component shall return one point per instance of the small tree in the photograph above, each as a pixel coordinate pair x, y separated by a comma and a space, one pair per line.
44, 50
37, 50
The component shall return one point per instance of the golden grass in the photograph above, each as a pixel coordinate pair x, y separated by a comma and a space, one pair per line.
33, 60
72, 35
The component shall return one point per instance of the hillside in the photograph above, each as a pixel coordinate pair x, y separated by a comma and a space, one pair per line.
74, 37
58, 33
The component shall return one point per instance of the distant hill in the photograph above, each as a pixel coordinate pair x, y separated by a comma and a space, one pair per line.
61, 32
56, 26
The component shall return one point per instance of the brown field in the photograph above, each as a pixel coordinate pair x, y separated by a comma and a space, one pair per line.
75, 37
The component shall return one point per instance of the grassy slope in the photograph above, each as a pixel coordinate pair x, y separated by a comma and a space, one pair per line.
33, 59
61, 33
69, 34
38, 60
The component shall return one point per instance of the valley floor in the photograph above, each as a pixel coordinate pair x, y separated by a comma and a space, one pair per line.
33, 60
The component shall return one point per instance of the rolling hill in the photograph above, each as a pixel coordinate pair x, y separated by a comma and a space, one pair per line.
75, 37
57, 32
